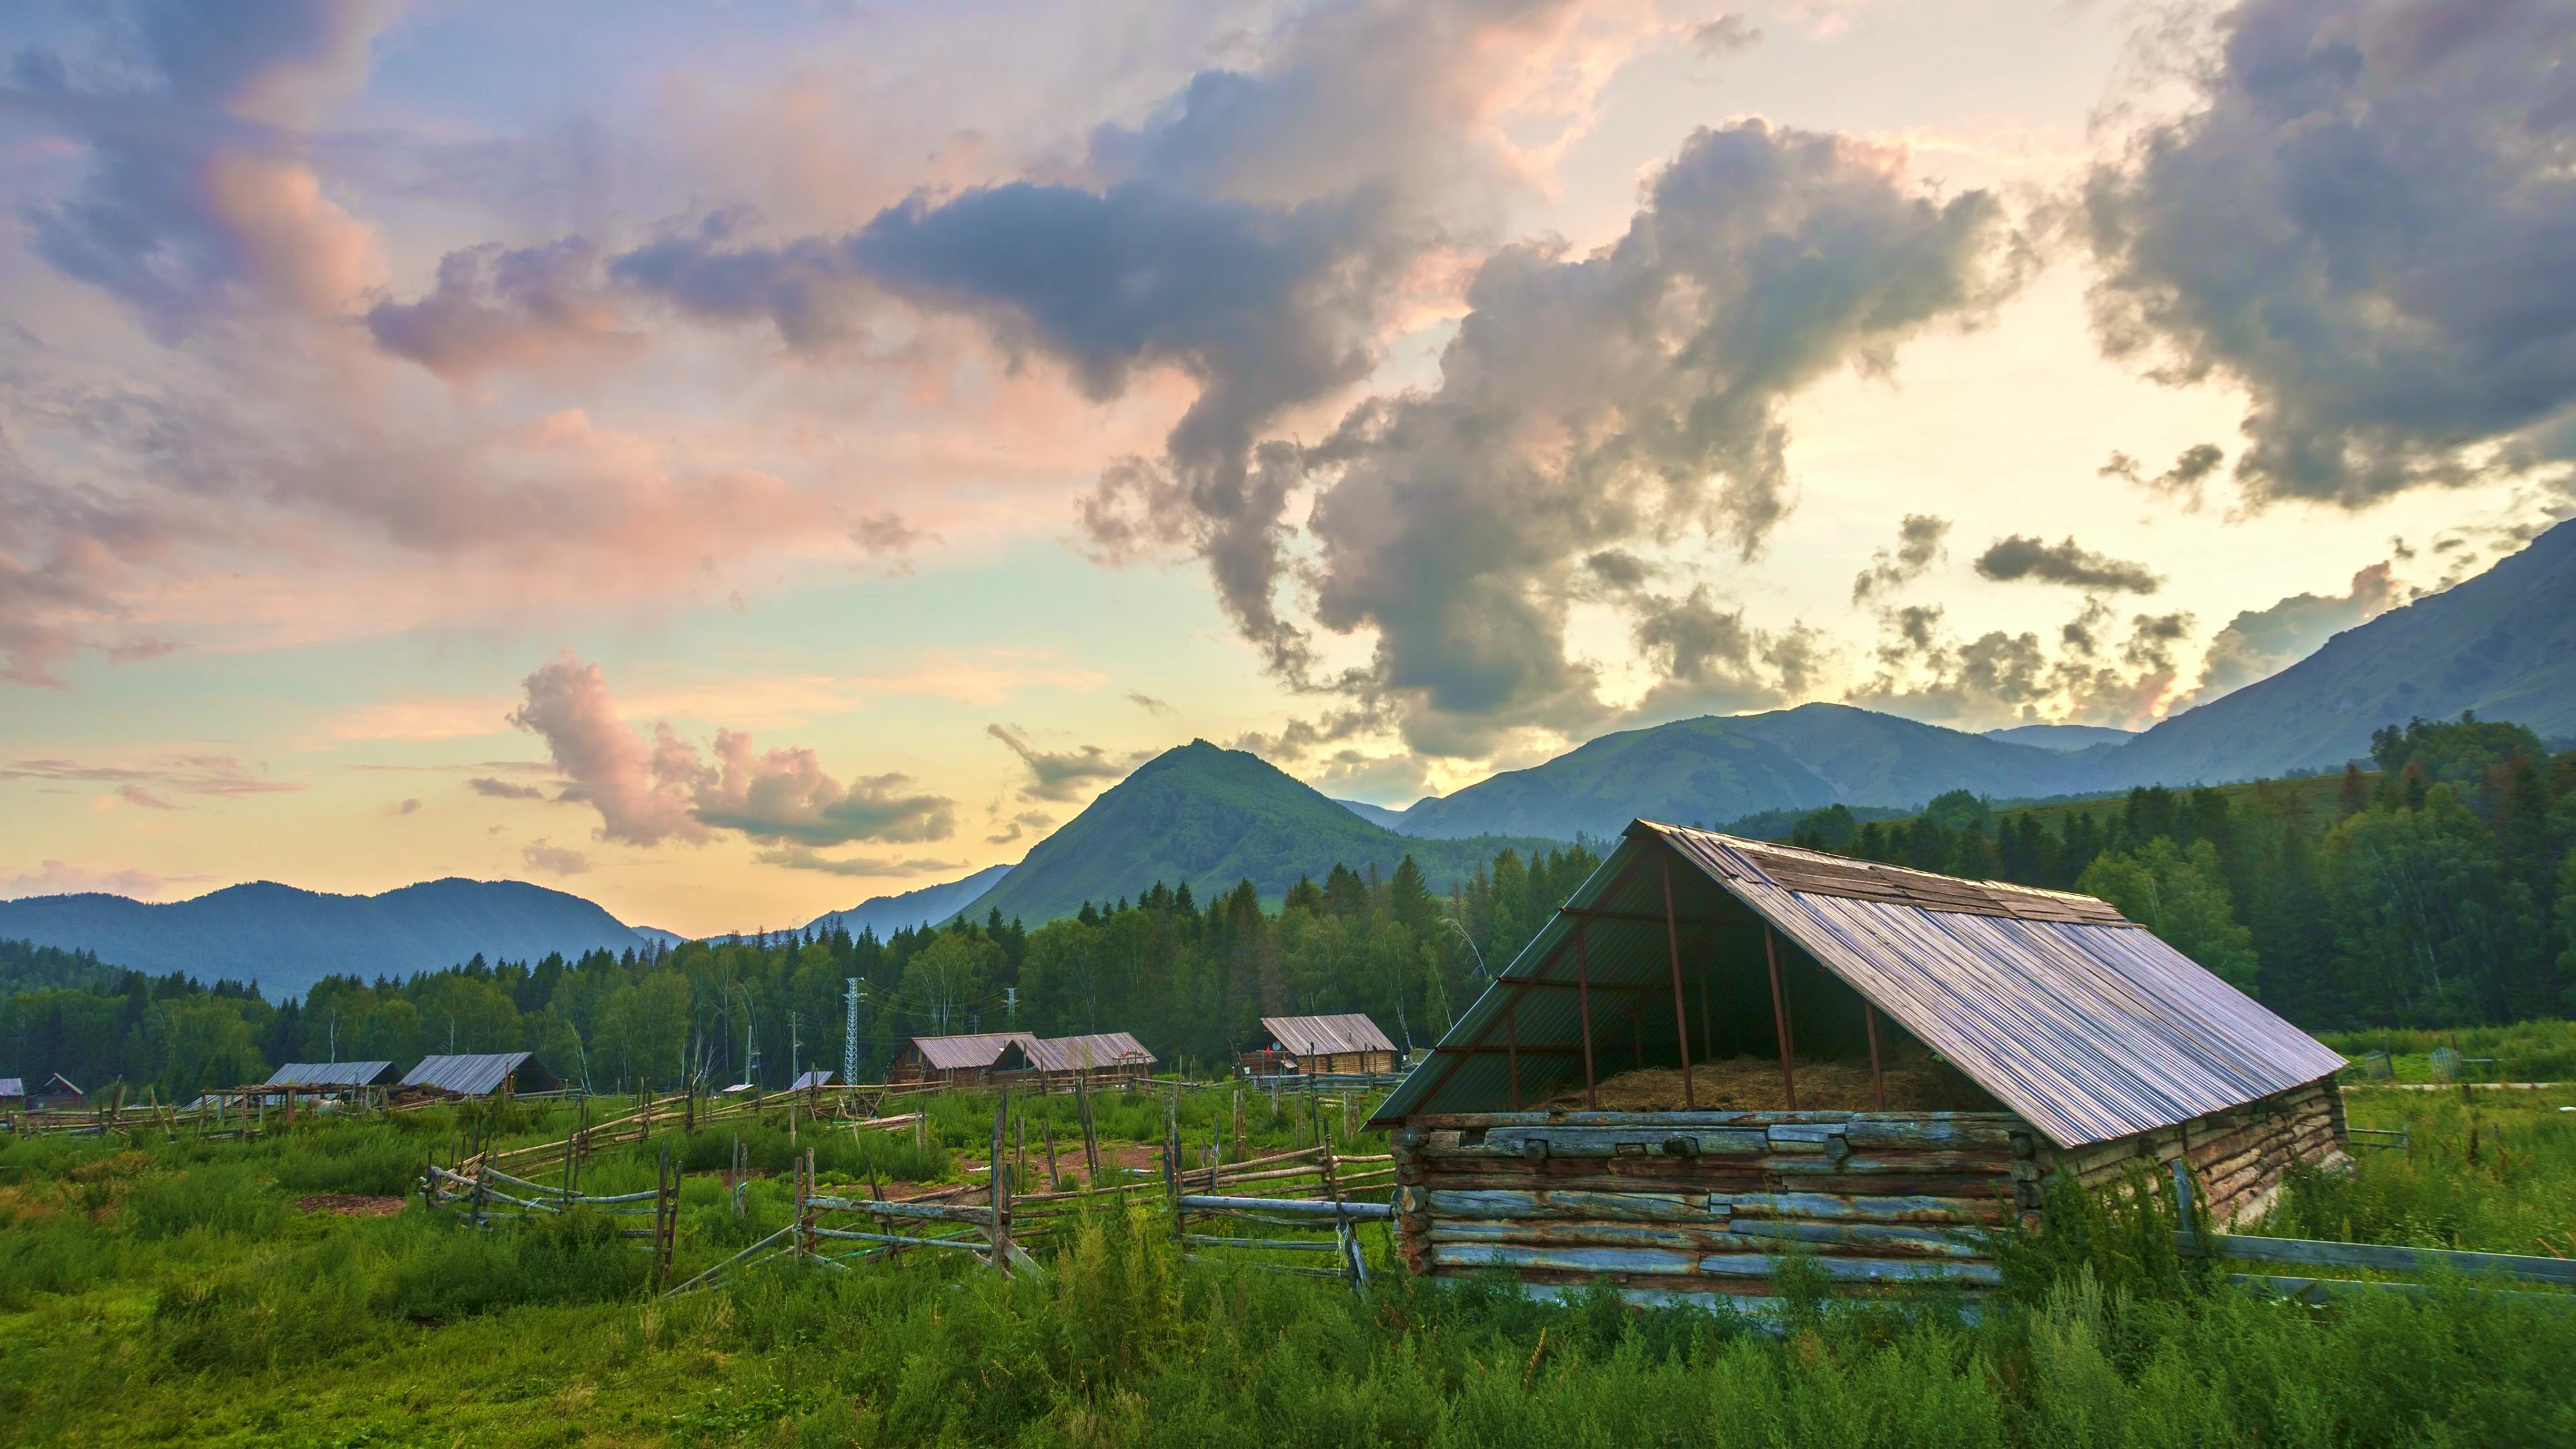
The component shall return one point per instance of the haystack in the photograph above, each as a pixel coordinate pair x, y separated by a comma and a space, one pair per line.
1752, 1084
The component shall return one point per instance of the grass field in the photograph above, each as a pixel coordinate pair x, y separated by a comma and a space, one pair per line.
160, 1292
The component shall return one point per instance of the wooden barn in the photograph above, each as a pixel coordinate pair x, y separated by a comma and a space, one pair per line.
953, 1061
56, 1093
1318, 1045
1057, 1062
13, 1094
1721, 1050
480, 1074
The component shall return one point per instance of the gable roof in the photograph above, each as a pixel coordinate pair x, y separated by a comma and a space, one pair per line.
477, 1075
1316, 1036
329, 1074
1080, 1053
2067, 1012
12, 1087
810, 1079
59, 1080
972, 1052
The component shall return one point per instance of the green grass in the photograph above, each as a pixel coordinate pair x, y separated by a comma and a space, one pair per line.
2527, 1051
166, 1292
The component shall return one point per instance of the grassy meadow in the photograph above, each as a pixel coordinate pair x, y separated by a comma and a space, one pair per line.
173, 1292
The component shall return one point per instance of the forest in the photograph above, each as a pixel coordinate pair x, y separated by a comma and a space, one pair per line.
2437, 890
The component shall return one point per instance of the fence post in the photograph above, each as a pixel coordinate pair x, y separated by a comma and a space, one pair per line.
1348, 1241
1000, 1187
1046, 1130
2190, 1234
1172, 1156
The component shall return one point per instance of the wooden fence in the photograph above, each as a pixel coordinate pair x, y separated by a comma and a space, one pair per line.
2367, 1257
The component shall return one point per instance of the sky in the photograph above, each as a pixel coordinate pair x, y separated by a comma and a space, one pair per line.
734, 460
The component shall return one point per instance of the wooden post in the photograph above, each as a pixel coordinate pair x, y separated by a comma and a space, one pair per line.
1047, 1130
1877, 1078
999, 1185
1780, 1019
1583, 1005
1681, 1020
1172, 1157
1239, 1151
1512, 1047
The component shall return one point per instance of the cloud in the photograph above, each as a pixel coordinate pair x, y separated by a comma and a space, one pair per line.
2008, 560
503, 789
1065, 775
553, 859
651, 790
887, 536
2184, 482
407, 807
1918, 543
1725, 36
1021, 824
501, 308
218, 776
800, 857
2366, 220
198, 196
2260, 643
137, 795
2002, 678
1148, 703
1713, 662
1588, 400
58, 878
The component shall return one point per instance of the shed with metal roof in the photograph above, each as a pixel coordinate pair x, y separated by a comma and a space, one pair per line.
1317, 1045
1095, 1057
331, 1074
1880, 1063
963, 1060
480, 1074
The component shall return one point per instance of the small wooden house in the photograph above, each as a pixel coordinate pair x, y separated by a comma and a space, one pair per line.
479, 1074
1320, 1045
1057, 1062
1721, 1050
954, 1061
13, 1093
56, 1093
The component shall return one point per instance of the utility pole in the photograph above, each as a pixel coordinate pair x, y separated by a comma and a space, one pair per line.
793, 1071
850, 1031
1011, 1006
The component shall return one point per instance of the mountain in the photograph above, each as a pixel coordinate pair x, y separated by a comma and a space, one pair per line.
2503, 644
1208, 818
1383, 815
286, 939
2063, 738
1716, 769
930, 905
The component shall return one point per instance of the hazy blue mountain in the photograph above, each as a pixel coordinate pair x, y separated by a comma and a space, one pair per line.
1383, 815
1716, 769
286, 939
930, 905
658, 936
2065, 739
2503, 644
1208, 818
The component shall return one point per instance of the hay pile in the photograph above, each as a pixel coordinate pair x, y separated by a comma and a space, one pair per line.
1752, 1084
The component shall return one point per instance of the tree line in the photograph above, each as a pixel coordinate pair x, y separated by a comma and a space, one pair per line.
2437, 890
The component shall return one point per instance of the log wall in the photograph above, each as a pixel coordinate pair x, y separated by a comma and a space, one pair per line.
2238, 1156
1706, 1202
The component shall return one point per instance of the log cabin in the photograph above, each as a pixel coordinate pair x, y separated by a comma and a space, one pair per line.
1870, 1065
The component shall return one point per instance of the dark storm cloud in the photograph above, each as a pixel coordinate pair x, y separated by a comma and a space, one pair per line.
2008, 560
2004, 678
1065, 775
2369, 221
1918, 543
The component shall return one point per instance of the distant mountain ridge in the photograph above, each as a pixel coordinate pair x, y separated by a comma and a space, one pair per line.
1208, 818
931, 905
286, 939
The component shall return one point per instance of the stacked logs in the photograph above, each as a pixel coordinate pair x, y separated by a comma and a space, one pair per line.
2238, 1156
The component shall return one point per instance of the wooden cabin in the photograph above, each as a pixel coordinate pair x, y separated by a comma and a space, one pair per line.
1055, 1063
1721, 1050
953, 1061
13, 1094
480, 1074
1320, 1045
57, 1093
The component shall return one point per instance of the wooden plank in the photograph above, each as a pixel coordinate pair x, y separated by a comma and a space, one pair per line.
1835, 1207
2372, 1257
1874, 1237
1649, 1261
1575, 1205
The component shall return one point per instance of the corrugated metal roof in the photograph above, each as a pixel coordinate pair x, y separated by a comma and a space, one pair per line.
12, 1087
967, 1053
329, 1074
1315, 1036
2085, 1024
810, 1079
1082, 1053
469, 1076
